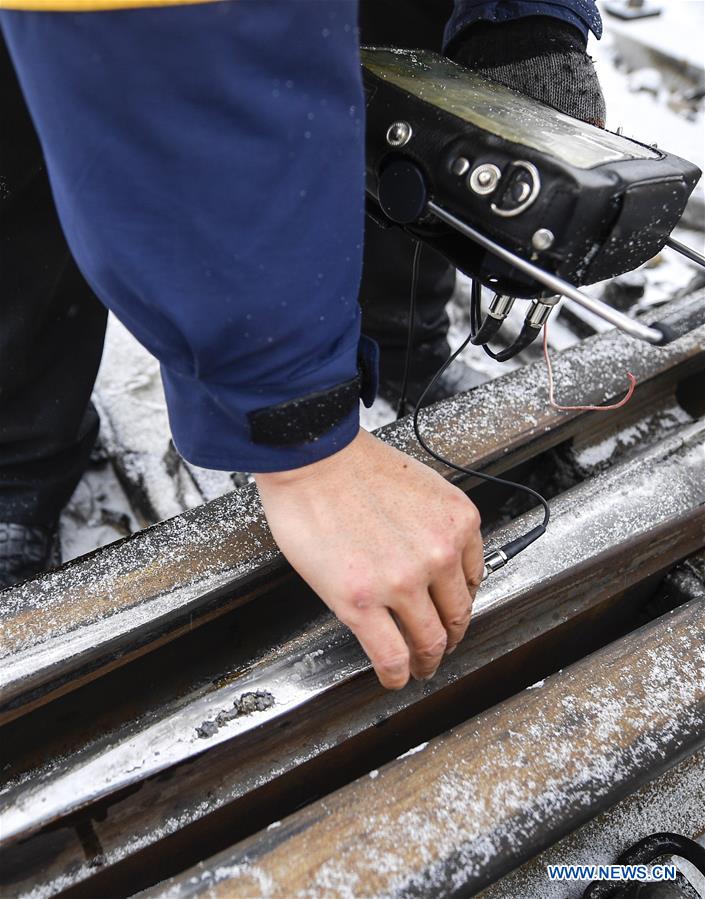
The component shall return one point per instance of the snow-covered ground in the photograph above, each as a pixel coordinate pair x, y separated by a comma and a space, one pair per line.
651, 102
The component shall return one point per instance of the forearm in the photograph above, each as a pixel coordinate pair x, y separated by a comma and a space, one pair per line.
207, 164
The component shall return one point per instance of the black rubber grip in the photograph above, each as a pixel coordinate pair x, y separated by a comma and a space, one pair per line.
668, 334
488, 329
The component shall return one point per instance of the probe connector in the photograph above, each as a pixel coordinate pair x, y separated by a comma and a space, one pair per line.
499, 309
493, 562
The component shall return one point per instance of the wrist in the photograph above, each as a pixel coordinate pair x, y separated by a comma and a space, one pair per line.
278, 479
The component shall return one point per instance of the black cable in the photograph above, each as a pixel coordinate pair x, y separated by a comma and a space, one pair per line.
514, 547
525, 338
401, 407
487, 331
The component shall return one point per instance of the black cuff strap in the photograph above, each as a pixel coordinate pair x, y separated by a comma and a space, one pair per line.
307, 418
304, 419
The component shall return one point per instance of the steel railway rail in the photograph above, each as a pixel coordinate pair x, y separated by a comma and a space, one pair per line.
177, 693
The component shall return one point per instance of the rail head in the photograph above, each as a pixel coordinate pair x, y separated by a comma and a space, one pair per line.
605, 535
98, 613
471, 805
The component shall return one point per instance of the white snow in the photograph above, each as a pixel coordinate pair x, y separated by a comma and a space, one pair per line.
413, 750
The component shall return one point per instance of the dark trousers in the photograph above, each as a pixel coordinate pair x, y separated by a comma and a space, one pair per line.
52, 326
51, 332
388, 254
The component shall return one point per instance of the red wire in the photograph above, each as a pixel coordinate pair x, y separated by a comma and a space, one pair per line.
551, 398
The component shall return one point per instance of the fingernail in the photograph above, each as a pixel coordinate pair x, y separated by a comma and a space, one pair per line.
451, 649
431, 676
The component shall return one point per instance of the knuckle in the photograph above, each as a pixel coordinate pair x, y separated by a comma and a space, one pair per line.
457, 497
393, 663
359, 596
442, 554
460, 622
466, 518
472, 518
431, 649
357, 592
351, 614
403, 581
475, 580
459, 504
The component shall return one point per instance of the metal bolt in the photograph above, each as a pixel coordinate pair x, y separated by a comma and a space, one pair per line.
399, 134
460, 166
484, 179
543, 239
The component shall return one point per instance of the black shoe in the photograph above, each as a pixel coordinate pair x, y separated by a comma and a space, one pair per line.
457, 378
25, 551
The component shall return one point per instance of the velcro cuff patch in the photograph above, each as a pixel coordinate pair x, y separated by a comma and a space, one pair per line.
304, 419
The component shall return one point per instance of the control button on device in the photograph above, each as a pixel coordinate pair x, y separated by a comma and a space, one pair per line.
399, 134
521, 189
460, 166
542, 239
484, 179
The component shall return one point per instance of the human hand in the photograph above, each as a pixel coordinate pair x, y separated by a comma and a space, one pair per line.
391, 547
540, 56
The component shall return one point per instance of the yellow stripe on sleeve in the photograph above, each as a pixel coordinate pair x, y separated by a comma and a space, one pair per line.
91, 5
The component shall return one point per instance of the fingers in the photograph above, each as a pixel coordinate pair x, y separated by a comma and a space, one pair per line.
423, 631
413, 634
384, 646
453, 600
434, 620
419, 604
455, 583
473, 563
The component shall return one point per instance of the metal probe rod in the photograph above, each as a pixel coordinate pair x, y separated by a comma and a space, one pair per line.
552, 282
688, 252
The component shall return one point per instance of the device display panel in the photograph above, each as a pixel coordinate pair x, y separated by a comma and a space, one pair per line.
499, 110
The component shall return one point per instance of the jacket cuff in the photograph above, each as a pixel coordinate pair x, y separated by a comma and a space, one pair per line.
582, 14
232, 429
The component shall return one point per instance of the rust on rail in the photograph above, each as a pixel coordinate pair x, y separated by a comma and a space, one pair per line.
610, 536
469, 806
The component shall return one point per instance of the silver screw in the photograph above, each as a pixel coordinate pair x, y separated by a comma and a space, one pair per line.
484, 179
543, 239
460, 167
399, 134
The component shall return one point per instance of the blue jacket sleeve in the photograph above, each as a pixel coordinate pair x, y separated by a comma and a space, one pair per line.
583, 14
207, 164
